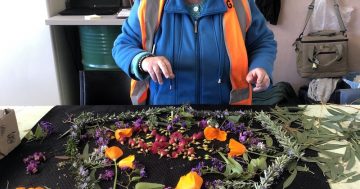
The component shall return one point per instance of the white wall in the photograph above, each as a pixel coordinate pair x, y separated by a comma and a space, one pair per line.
27, 70
291, 21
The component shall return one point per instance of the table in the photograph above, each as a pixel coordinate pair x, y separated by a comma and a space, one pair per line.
14, 174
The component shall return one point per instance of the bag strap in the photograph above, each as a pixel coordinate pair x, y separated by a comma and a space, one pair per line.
337, 12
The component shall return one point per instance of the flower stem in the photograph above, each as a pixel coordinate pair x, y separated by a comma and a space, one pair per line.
251, 152
116, 172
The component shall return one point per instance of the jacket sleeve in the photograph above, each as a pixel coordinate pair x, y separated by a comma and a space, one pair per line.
128, 44
260, 43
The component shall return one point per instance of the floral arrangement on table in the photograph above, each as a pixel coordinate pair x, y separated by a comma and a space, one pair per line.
230, 149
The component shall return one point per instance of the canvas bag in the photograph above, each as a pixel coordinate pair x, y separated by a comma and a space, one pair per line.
9, 132
323, 53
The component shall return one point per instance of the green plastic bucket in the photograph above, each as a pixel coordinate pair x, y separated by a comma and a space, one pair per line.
96, 44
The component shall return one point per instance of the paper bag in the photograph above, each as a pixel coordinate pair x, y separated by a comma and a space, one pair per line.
9, 132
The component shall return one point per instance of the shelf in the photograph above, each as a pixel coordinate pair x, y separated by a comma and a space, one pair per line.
80, 20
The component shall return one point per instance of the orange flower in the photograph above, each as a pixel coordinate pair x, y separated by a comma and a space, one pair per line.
236, 148
113, 153
190, 181
121, 133
212, 133
127, 162
20, 188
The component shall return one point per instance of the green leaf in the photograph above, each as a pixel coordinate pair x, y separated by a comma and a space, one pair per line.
331, 146
291, 166
344, 176
148, 185
233, 168
29, 135
340, 111
186, 115
354, 178
347, 154
352, 161
336, 118
136, 178
85, 154
255, 164
303, 169
246, 157
357, 149
290, 179
331, 125
308, 123
234, 119
39, 133
92, 177
269, 141
301, 137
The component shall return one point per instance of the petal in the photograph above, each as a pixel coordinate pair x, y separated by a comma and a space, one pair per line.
236, 148
127, 162
211, 133
190, 181
120, 133
113, 153
222, 135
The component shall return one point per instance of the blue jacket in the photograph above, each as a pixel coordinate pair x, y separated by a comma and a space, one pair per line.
199, 60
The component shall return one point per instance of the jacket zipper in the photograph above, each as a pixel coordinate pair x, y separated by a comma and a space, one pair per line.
197, 62
319, 41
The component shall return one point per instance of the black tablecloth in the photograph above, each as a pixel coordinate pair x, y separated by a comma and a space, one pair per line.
13, 174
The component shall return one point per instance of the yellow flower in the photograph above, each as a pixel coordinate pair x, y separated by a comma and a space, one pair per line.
113, 153
121, 133
190, 181
212, 133
236, 148
127, 162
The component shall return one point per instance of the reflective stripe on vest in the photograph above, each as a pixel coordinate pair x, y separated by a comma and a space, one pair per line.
149, 23
236, 22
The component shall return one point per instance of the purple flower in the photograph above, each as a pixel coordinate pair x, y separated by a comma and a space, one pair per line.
183, 124
47, 127
32, 167
142, 172
169, 127
39, 156
213, 184
217, 164
32, 162
28, 159
254, 141
202, 123
198, 168
101, 137
138, 122
176, 119
98, 133
108, 174
83, 171
242, 138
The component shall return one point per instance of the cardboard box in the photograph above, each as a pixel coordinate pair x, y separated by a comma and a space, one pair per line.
9, 132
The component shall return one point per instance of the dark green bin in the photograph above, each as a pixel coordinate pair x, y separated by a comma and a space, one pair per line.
96, 45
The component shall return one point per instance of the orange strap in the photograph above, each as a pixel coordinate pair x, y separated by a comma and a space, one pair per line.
237, 53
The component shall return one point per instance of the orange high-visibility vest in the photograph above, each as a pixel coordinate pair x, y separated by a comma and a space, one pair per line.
236, 22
